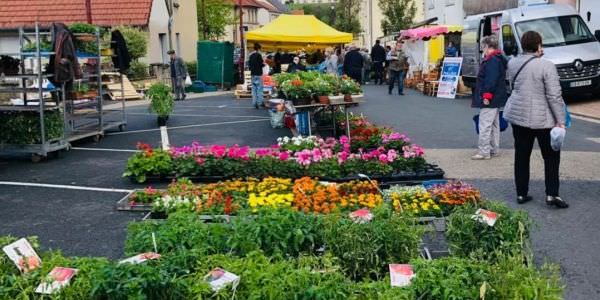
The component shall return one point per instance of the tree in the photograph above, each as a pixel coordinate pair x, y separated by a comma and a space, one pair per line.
213, 17
136, 39
398, 14
346, 18
322, 11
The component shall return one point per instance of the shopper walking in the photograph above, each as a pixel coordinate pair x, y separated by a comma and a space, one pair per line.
395, 70
378, 55
331, 62
256, 63
353, 64
178, 75
533, 109
367, 65
490, 96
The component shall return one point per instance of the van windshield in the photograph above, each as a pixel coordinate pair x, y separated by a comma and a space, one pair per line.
558, 31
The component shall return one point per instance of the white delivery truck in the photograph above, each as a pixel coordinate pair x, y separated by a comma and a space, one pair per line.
567, 42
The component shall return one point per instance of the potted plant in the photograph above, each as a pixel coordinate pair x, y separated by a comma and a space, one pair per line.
349, 87
161, 102
297, 91
85, 37
322, 89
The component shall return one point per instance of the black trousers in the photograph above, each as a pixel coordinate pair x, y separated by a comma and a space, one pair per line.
378, 68
524, 138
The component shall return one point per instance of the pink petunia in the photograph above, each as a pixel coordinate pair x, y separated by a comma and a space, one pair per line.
284, 156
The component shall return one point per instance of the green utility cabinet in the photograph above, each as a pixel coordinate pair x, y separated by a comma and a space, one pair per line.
215, 63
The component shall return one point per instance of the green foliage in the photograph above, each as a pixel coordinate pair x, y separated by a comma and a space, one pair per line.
468, 237
398, 14
136, 39
213, 18
144, 164
138, 70
346, 19
161, 99
365, 250
90, 47
323, 11
23, 128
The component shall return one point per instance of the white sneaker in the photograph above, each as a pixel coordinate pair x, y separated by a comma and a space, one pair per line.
479, 156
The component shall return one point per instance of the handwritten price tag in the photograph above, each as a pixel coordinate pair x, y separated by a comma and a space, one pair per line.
401, 274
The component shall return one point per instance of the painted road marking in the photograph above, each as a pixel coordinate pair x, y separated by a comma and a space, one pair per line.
578, 117
103, 149
212, 106
595, 140
62, 186
194, 115
187, 126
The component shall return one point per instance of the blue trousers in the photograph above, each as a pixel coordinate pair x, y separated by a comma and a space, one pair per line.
257, 90
396, 76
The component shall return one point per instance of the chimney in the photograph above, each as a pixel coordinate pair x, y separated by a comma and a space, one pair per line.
88, 11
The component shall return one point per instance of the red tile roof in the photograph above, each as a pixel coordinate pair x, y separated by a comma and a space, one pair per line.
17, 13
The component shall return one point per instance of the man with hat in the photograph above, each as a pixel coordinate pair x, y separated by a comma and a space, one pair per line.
178, 75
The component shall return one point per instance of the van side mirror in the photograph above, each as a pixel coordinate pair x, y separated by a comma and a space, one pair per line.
597, 34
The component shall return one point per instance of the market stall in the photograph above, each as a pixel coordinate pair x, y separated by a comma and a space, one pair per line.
426, 48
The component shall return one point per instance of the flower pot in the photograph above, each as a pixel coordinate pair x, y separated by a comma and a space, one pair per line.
324, 99
85, 37
162, 121
347, 98
106, 52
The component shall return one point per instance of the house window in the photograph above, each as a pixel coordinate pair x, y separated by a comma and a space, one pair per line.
163, 47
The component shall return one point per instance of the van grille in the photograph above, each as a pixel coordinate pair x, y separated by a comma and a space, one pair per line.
568, 72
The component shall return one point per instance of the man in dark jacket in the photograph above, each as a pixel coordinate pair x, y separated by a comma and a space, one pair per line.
178, 75
353, 64
378, 58
256, 64
490, 96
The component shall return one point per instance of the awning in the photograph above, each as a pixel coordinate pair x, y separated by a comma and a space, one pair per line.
294, 32
429, 32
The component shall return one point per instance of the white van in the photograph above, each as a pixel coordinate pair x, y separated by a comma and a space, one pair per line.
567, 42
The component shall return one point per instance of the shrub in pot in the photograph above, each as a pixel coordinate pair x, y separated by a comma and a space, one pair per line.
322, 89
349, 87
161, 102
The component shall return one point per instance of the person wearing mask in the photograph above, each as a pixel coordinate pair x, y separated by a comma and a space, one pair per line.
331, 62
367, 65
353, 64
451, 51
490, 96
535, 106
378, 57
178, 75
296, 66
256, 65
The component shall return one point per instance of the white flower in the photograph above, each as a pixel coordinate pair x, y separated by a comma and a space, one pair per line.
297, 143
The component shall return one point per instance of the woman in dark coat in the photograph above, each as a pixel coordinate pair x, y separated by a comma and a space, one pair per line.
490, 96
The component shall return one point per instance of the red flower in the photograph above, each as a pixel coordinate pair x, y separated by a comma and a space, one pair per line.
227, 208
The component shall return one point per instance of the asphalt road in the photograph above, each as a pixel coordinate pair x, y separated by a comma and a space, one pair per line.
85, 222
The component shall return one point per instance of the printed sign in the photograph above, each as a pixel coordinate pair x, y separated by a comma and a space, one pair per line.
58, 278
449, 78
361, 216
401, 275
23, 255
140, 258
485, 216
219, 278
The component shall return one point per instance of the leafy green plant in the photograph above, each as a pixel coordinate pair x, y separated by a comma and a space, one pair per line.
469, 237
23, 128
138, 70
365, 250
321, 87
161, 99
349, 87
90, 47
148, 162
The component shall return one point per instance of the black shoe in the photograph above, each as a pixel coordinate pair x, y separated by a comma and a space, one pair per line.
256, 106
262, 105
524, 199
401, 94
389, 93
176, 99
183, 97
556, 201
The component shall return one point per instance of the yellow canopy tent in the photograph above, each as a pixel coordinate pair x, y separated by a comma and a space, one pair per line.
295, 32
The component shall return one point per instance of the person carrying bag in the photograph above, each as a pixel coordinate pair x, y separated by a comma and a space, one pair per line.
534, 108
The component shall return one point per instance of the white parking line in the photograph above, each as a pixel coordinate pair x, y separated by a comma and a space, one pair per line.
187, 126
103, 149
212, 106
194, 115
591, 120
67, 187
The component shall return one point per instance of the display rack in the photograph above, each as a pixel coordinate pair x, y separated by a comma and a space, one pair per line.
44, 143
84, 114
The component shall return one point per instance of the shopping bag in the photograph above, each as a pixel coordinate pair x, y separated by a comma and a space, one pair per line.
188, 80
503, 122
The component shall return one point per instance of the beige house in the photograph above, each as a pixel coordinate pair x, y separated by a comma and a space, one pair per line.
255, 14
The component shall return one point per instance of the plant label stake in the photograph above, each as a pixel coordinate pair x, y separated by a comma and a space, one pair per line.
485, 216
164, 137
401, 274
154, 242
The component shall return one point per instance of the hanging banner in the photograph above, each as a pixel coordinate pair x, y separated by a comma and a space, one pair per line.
449, 77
